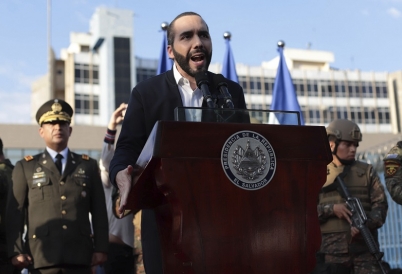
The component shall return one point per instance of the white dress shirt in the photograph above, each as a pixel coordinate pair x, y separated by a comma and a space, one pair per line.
189, 97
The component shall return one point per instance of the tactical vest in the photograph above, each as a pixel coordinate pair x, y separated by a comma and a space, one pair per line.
357, 181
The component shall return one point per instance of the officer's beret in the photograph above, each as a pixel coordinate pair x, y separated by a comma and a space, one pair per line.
54, 110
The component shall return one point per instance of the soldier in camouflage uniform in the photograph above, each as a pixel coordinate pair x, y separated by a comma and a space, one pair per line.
6, 170
393, 172
343, 250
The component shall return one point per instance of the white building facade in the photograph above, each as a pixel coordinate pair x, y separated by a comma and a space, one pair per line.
97, 69
323, 93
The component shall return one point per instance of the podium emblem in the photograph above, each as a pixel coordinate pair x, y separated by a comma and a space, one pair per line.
248, 160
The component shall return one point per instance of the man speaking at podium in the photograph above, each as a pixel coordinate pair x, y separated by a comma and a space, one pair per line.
190, 46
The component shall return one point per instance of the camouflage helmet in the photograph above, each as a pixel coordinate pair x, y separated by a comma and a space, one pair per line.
344, 130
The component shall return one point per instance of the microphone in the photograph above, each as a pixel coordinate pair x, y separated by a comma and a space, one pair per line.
201, 78
223, 88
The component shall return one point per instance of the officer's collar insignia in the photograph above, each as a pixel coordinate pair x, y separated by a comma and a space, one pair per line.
391, 167
85, 157
248, 160
28, 158
39, 169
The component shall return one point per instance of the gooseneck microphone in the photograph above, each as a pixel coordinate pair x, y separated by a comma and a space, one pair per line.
201, 78
223, 88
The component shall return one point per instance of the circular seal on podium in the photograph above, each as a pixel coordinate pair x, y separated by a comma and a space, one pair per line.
248, 160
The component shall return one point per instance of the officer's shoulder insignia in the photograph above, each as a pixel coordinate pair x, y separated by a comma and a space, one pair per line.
28, 158
85, 157
391, 167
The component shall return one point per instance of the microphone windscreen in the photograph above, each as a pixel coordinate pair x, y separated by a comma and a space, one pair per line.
201, 77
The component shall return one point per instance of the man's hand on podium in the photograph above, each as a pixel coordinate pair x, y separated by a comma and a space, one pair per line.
123, 181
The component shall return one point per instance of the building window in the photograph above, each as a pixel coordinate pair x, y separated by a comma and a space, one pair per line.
353, 90
243, 83
314, 116
381, 90
84, 104
341, 113
298, 86
369, 115
269, 85
340, 89
367, 89
145, 73
84, 48
383, 115
122, 69
82, 73
255, 85
326, 89
329, 115
312, 88
356, 115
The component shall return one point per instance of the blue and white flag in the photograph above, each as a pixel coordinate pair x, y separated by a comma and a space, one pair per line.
228, 65
284, 96
165, 63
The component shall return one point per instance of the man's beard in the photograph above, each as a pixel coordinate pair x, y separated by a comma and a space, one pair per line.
184, 61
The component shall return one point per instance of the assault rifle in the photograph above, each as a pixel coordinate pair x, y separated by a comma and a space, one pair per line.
359, 219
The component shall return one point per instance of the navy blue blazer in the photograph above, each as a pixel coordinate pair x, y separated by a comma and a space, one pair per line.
152, 100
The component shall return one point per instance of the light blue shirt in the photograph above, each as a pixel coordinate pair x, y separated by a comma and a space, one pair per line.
53, 154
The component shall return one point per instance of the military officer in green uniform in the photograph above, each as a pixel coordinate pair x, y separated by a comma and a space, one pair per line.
53, 193
343, 249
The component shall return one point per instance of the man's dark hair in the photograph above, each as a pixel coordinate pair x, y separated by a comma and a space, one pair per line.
332, 138
170, 32
1, 147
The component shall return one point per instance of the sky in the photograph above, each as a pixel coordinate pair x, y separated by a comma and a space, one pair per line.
362, 34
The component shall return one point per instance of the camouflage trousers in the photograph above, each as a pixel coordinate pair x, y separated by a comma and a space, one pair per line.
363, 263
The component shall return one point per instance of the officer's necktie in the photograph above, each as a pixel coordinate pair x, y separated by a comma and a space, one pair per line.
58, 162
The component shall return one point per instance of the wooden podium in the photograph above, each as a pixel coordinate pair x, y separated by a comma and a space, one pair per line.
208, 224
